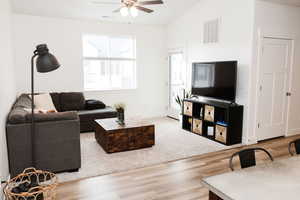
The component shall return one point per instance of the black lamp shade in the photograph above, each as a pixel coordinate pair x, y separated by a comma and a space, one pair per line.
45, 61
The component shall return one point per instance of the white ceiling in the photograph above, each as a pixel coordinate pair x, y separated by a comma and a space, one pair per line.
86, 9
288, 2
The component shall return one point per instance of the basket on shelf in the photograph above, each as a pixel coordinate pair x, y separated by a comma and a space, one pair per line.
32, 184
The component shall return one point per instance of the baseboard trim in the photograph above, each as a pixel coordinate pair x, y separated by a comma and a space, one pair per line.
172, 118
292, 132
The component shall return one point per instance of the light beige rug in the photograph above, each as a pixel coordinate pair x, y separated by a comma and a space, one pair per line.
172, 143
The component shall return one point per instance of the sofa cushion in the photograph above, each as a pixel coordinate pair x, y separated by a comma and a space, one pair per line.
59, 116
91, 115
72, 101
56, 100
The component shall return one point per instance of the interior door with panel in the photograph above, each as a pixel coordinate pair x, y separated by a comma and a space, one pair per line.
274, 78
177, 82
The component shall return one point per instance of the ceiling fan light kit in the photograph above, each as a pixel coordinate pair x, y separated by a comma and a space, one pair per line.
124, 11
134, 6
134, 11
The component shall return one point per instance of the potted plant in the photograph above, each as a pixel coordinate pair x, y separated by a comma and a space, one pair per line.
120, 107
179, 100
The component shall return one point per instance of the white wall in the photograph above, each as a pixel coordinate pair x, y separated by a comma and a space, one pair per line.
277, 20
240, 23
7, 89
236, 28
64, 38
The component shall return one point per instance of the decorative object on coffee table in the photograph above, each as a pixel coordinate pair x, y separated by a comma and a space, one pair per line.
45, 63
114, 137
120, 107
32, 184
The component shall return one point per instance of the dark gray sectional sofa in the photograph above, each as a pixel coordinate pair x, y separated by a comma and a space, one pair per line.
57, 135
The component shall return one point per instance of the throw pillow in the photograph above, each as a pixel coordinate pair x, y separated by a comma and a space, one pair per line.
43, 102
72, 101
94, 104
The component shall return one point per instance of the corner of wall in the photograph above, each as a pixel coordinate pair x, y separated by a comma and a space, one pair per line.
7, 81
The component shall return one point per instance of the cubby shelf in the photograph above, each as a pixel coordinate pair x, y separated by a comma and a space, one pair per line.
216, 120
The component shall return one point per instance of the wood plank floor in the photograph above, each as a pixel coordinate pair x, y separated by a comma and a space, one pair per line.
178, 180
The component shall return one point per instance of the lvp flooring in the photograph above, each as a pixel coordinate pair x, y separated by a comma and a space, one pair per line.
177, 180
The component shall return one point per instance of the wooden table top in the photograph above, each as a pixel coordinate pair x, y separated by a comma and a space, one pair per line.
277, 180
111, 124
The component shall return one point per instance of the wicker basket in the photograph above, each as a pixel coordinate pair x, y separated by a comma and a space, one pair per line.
46, 189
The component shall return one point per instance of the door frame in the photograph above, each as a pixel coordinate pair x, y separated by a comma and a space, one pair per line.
174, 51
261, 37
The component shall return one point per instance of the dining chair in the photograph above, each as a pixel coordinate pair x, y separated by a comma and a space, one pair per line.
247, 157
297, 147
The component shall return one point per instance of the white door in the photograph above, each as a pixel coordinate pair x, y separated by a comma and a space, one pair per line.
274, 88
177, 82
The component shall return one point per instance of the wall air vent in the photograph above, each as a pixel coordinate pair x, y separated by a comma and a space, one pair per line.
211, 31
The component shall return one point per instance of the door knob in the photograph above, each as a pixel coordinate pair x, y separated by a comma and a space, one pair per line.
288, 94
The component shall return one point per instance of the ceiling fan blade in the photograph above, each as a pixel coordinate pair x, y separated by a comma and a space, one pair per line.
150, 2
147, 10
118, 10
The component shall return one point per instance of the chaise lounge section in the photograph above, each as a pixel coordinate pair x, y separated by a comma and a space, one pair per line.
76, 101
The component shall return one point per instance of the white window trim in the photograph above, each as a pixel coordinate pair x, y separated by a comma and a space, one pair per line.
109, 58
113, 59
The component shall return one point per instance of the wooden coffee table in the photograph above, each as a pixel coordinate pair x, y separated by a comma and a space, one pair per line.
113, 137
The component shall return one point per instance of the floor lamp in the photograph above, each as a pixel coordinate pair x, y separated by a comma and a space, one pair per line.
45, 62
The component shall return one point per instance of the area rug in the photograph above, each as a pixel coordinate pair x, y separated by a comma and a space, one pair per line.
172, 143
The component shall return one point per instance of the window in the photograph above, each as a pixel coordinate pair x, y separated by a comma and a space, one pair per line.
109, 62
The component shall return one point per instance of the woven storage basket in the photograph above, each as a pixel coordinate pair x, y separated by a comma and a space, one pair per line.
46, 189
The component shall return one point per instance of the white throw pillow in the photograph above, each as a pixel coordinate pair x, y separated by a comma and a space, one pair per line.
44, 102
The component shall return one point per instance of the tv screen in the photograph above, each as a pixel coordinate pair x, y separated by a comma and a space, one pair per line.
215, 80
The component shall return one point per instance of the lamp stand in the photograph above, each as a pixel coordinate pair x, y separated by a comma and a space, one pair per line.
32, 111
45, 62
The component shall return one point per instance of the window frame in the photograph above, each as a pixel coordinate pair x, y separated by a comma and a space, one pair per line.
101, 58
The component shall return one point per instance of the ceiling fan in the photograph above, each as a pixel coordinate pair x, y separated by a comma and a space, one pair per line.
133, 6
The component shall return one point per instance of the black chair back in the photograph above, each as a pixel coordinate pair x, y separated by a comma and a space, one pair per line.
297, 147
247, 157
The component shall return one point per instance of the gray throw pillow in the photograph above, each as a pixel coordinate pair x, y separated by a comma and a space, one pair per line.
72, 101
24, 101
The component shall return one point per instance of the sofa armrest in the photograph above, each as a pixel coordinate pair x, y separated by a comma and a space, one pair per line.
58, 116
57, 146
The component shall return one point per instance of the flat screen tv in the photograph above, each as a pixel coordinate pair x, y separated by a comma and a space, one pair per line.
215, 79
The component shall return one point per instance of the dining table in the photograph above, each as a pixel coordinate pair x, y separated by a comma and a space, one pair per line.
277, 180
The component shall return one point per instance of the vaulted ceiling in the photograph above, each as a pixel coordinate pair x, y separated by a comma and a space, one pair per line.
101, 10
